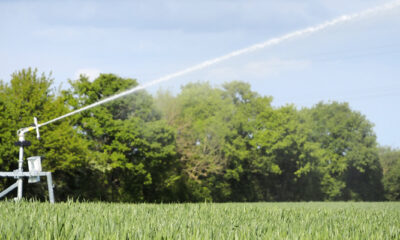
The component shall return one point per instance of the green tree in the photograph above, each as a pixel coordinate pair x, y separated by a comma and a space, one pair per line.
284, 160
390, 160
238, 148
234, 146
135, 150
201, 129
351, 167
25, 96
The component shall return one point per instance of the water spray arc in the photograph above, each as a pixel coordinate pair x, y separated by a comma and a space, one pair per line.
268, 43
274, 41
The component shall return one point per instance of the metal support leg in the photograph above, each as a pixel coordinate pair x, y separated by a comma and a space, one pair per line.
20, 165
9, 189
19, 182
50, 187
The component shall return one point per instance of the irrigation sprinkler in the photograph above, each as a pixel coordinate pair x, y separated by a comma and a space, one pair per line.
34, 166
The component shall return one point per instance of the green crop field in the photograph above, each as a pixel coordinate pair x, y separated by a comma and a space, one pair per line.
33, 220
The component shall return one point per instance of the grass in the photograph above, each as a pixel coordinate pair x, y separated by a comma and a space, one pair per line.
35, 220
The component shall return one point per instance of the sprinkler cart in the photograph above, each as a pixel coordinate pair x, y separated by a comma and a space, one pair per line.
34, 165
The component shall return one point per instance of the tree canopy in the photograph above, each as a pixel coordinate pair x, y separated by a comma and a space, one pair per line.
208, 143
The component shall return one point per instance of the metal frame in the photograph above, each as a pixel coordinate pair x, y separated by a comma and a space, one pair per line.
18, 184
19, 173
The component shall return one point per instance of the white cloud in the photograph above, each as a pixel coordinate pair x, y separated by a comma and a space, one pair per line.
92, 73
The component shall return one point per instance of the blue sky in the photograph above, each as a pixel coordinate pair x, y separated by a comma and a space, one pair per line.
357, 62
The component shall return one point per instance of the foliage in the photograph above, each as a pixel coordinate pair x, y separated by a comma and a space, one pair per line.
390, 160
134, 149
286, 160
28, 95
205, 143
351, 167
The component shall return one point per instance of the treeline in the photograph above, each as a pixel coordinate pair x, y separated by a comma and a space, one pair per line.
204, 144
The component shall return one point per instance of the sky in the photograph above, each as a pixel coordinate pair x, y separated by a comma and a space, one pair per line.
356, 62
